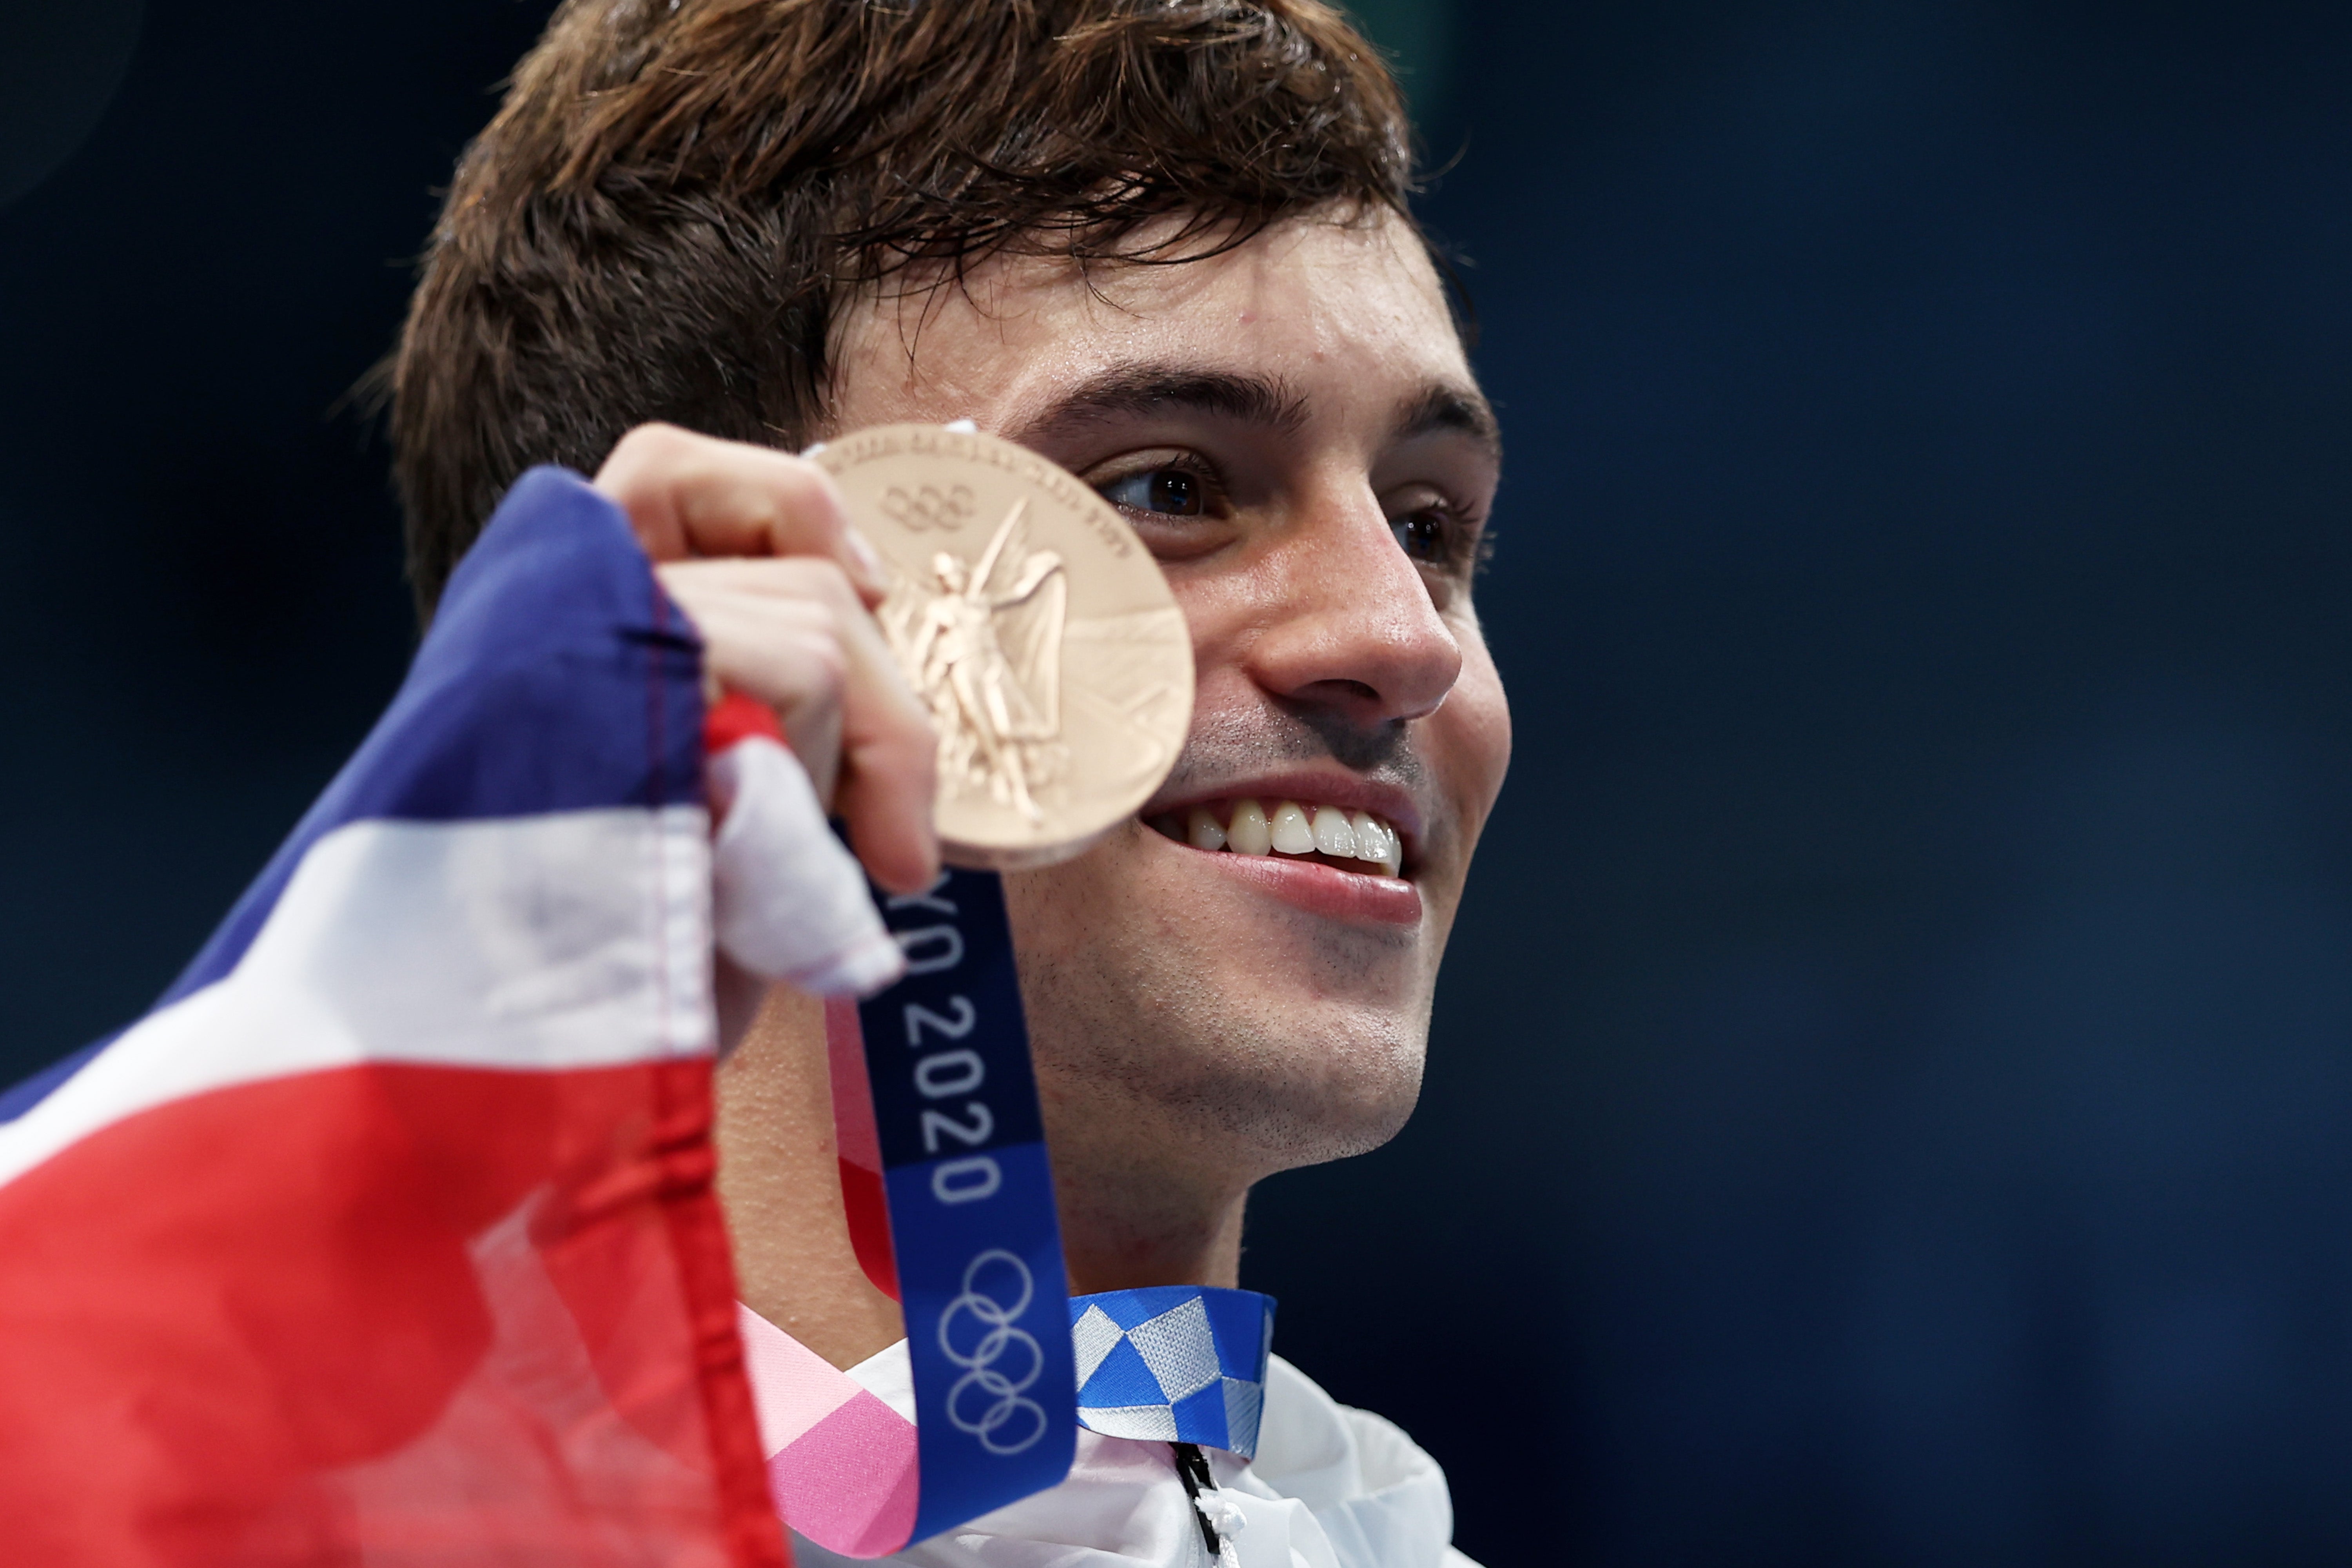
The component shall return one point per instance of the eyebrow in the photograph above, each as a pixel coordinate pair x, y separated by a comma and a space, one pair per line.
1137, 391
1267, 403
1447, 407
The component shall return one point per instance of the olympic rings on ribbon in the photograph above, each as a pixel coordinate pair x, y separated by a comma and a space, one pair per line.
1006, 1407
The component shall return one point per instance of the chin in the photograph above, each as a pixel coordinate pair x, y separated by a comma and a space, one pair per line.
1258, 1096
1334, 1100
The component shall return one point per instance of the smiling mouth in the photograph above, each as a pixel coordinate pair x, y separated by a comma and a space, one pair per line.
1357, 841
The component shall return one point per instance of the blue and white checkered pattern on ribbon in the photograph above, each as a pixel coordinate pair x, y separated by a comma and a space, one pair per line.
1180, 1363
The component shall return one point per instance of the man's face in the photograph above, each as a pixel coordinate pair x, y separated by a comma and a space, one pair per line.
1293, 429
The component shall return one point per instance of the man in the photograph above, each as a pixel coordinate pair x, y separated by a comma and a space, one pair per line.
1166, 246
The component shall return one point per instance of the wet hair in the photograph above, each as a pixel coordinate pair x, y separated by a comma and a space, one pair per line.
678, 198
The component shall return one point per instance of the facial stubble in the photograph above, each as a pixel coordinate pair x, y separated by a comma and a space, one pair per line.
1169, 1052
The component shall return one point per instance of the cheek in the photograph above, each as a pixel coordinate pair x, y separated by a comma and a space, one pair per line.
1217, 601
1088, 918
1052, 909
1218, 611
1471, 734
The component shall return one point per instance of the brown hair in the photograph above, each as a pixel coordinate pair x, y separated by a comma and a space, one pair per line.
679, 196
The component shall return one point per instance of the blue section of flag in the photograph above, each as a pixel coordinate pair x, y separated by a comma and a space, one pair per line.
582, 687
22, 1096
556, 676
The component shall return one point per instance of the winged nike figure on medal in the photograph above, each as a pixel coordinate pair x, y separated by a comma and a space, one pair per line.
983, 645
1036, 628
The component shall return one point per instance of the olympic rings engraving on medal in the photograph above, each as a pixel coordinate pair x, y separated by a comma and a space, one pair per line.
929, 506
1005, 1406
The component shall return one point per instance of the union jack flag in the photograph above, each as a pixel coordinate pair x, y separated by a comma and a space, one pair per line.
388, 1235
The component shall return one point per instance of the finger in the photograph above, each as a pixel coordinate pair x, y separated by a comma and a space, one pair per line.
794, 635
785, 652
889, 764
780, 650
813, 733
690, 496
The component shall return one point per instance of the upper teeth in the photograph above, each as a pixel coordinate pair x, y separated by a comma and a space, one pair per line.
1292, 828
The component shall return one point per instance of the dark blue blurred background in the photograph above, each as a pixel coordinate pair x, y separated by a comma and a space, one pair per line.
1892, 1100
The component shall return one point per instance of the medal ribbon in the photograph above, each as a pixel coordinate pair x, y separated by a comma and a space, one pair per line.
950, 1202
1178, 1363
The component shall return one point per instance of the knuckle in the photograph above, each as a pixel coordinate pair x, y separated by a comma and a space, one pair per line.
646, 443
820, 644
644, 459
810, 496
813, 679
823, 580
916, 747
802, 473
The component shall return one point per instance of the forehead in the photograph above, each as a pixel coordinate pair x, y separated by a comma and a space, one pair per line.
1349, 314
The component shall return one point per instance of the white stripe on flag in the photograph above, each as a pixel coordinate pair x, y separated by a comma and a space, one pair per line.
573, 940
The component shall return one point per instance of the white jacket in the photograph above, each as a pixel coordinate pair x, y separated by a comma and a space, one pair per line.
1330, 1488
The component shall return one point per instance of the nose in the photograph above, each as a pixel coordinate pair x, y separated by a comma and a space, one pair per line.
1348, 623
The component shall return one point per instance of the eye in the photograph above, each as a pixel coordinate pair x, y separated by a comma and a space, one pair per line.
1425, 536
1170, 492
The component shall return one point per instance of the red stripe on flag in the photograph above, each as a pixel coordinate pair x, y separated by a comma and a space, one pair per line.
735, 717
390, 1313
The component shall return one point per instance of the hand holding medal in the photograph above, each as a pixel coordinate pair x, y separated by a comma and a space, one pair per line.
1031, 626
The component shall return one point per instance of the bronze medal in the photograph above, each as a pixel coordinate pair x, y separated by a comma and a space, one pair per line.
1033, 622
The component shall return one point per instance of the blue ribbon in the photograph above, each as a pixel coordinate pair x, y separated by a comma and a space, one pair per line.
972, 1225
1180, 1363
